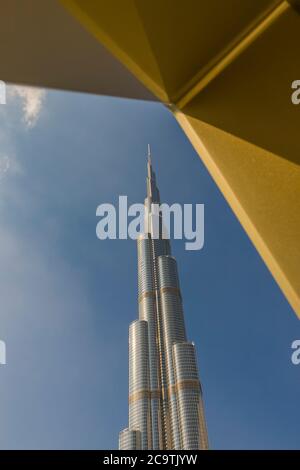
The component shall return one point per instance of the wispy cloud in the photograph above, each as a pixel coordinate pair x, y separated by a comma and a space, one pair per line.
32, 102
4, 165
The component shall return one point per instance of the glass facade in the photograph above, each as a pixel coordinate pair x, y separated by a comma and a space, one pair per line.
129, 440
165, 398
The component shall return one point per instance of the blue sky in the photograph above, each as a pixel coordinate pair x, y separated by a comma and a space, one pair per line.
67, 298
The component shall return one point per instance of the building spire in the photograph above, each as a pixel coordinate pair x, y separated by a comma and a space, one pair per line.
166, 409
149, 163
152, 190
149, 155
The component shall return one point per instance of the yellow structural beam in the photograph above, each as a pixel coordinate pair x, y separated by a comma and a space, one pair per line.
225, 70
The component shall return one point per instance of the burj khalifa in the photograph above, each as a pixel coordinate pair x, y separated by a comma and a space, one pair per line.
165, 397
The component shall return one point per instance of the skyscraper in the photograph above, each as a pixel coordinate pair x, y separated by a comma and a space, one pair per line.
165, 398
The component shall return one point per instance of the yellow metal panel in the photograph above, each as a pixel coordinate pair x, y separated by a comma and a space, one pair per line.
250, 101
117, 25
263, 190
42, 45
168, 44
225, 69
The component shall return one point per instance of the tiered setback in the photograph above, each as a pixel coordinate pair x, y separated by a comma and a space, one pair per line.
173, 332
147, 312
165, 398
139, 397
130, 440
192, 425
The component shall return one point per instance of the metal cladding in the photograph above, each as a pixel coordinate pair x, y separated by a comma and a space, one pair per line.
165, 398
147, 312
139, 397
189, 397
173, 332
129, 440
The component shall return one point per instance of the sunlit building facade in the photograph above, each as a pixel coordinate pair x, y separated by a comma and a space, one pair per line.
165, 397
